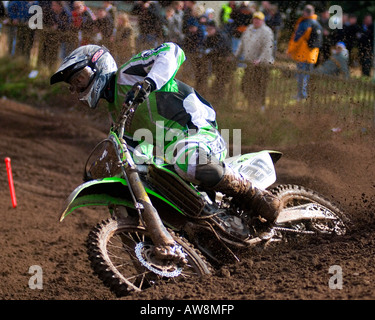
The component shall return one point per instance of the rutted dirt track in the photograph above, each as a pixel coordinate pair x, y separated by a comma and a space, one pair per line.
48, 151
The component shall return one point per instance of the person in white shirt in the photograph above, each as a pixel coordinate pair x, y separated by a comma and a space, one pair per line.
256, 48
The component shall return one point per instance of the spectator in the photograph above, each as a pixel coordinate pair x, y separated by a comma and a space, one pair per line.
199, 13
176, 32
69, 37
265, 7
111, 11
218, 54
62, 18
193, 47
149, 23
54, 34
196, 31
226, 12
124, 39
241, 20
366, 45
69, 5
328, 37
337, 64
12, 26
188, 12
351, 32
82, 23
21, 37
104, 26
210, 14
304, 47
2, 11
48, 44
167, 23
256, 46
225, 17
274, 20
339, 35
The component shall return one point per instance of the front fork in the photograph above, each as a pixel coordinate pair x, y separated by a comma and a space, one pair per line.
165, 246
148, 214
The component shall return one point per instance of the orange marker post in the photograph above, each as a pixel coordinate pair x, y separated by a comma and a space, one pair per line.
11, 184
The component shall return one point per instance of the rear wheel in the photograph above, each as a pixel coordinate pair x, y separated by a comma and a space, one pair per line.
121, 253
294, 196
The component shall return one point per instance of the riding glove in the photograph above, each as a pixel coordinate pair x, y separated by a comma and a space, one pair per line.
140, 91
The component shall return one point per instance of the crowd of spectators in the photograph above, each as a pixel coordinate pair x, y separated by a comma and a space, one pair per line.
210, 38
355, 35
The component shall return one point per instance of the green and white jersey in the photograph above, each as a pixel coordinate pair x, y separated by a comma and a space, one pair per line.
172, 107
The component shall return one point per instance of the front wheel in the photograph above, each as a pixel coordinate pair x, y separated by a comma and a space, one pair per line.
121, 255
293, 196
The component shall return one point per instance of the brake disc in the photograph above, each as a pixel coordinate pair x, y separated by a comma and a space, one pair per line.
164, 268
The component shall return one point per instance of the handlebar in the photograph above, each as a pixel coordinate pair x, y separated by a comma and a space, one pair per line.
131, 96
128, 108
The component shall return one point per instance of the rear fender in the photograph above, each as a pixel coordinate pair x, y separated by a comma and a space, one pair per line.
104, 192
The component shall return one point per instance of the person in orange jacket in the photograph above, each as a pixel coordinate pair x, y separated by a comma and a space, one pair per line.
304, 47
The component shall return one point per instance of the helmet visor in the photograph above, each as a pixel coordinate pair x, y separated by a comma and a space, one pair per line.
81, 80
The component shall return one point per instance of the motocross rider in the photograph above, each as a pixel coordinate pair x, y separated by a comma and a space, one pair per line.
166, 105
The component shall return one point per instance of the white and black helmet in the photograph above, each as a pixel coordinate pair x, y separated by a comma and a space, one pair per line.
88, 69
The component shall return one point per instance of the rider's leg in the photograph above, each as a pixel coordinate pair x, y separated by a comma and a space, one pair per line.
200, 168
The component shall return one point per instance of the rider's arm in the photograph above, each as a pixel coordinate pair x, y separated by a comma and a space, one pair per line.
168, 59
159, 64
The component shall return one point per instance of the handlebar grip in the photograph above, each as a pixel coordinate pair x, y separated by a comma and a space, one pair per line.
131, 96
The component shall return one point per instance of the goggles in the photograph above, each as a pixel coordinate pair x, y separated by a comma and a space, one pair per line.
81, 80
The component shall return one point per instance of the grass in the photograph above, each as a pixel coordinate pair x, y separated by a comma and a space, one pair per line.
16, 84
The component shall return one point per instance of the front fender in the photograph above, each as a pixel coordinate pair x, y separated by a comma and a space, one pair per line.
101, 192
104, 192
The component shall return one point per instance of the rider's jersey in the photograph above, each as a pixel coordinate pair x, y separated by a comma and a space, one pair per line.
172, 109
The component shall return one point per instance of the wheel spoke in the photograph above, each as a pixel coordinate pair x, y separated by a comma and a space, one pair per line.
293, 196
125, 251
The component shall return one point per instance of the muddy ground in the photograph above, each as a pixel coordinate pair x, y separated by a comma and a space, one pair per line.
48, 149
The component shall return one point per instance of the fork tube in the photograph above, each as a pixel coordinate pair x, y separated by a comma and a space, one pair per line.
158, 233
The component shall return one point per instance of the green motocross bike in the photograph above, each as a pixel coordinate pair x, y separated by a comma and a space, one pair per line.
149, 205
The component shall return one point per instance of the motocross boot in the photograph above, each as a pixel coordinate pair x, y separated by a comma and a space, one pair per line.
262, 202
